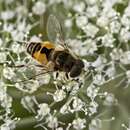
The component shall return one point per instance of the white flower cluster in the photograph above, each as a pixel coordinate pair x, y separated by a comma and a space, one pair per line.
77, 105
43, 111
27, 87
5, 99
99, 33
6, 104
79, 124
9, 124
39, 8
49, 120
8, 73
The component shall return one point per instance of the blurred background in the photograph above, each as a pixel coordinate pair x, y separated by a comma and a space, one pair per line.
98, 31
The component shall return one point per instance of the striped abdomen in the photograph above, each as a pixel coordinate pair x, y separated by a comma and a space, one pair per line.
40, 51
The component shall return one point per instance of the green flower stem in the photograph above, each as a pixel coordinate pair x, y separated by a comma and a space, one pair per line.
26, 122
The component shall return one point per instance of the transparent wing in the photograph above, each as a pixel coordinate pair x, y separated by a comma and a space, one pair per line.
55, 33
54, 30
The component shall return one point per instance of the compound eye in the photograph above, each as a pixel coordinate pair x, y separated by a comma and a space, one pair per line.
75, 71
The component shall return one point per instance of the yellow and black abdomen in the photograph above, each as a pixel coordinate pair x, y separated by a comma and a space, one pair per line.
40, 51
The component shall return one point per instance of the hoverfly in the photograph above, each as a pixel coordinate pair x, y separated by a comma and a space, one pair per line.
55, 55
